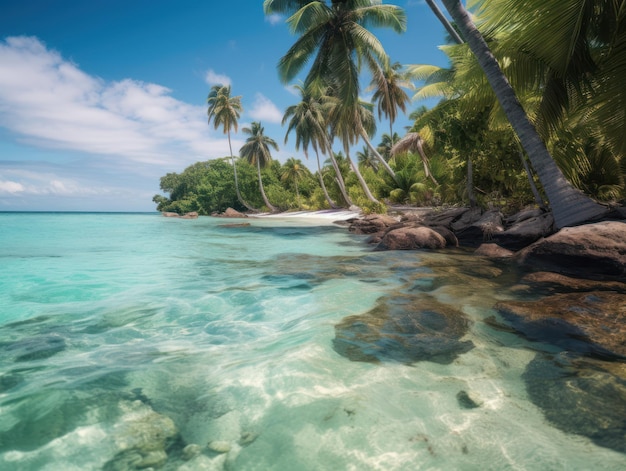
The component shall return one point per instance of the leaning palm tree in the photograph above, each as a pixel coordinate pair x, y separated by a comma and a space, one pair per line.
225, 110
256, 151
413, 142
293, 171
307, 120
342, 123
569, 205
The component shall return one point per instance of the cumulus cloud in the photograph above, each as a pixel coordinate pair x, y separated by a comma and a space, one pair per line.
213, 78
264, 110
7, 186
48, 101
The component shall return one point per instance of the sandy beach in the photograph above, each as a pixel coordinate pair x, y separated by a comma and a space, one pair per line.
327, 216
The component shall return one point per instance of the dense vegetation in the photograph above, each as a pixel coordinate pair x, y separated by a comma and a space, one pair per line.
565, 61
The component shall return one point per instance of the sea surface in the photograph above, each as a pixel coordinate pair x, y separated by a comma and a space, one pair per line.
134, 341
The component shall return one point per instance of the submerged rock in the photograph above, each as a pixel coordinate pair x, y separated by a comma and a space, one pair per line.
36, 348
581, 396
589, 323
404, 329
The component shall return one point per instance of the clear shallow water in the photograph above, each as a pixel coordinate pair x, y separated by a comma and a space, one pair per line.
133, 340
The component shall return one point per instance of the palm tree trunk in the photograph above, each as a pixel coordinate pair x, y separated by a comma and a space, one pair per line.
420, 150
377, 154
339, 178
533, 187
355, 169
444, 21
322, 184
267, 202
569, 205
232, 159
469, 185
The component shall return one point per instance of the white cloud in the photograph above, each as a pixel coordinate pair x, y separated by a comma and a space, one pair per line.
213, 78
50, 102
264, 110
10, 187
274, 19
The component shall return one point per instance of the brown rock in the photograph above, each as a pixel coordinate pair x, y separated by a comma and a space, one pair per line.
232, 213
555, 281
411, 238
491, 250
595, 251
170, 215
191, 215
371, 224
589, 323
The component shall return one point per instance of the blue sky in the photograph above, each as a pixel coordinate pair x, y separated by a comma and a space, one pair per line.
100, 98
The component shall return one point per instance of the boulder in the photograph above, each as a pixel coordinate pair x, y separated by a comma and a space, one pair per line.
190, 215
491, 250
232, 213
411, 238
525, 230
371, 224
586, 323
481, 230
406, 329
593, 251
170, 215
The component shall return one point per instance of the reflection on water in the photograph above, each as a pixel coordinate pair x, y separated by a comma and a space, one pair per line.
168, 344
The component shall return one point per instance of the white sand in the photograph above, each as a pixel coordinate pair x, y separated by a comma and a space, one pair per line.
327, 216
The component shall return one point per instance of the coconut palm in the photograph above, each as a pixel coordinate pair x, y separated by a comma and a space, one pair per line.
569, 205
366, 159
336, 37
386, 143
293, 171
388, 85
225, 110
256, 151
307, 120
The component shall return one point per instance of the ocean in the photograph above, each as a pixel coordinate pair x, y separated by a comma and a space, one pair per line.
134, 341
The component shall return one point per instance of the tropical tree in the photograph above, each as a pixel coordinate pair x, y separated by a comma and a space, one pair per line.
225, 111
366, 159
256, 151
293, 171
335, 39
388, 84
569, 205
307, 120
386, 143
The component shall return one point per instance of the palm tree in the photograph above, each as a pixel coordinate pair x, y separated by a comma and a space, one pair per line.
307, 120
337, 40
386, 143
256, 151
410, 143
225, 110
569, 205
293, 170
366, 159
388, 84
338, 37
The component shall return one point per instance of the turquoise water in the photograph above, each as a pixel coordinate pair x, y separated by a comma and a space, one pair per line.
133, 341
